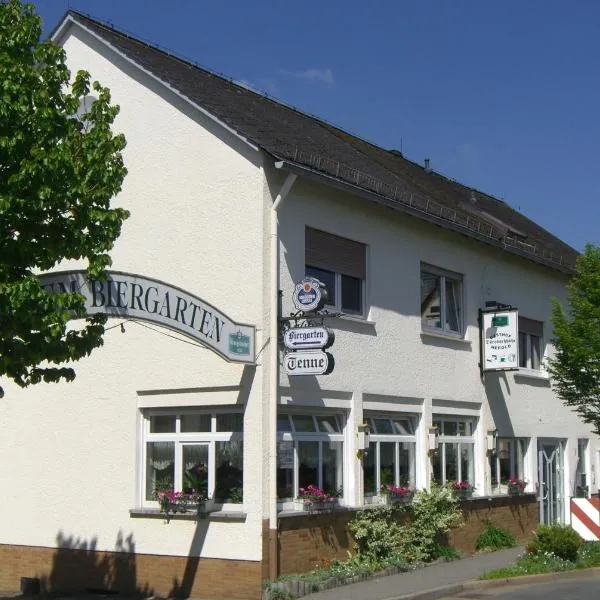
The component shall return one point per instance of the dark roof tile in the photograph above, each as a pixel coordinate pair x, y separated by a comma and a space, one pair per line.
289, 134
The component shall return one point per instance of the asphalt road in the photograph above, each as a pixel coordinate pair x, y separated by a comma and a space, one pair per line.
573, 589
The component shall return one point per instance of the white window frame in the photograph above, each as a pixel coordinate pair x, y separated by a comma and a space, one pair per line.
443, 275
375, 446
460, 440
528, 354
181, 439
335, 303
517, 452
582, 471
316, 436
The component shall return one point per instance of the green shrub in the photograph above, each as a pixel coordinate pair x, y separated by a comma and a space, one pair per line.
589, 555
494, 538
434, 513
560, 540
376, 532
412, 532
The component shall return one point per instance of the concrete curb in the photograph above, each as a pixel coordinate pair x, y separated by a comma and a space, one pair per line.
433, 594
477, 584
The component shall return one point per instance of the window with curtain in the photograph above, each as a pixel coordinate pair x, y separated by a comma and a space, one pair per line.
194, 450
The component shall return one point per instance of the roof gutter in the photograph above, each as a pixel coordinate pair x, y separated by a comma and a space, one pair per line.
356, 190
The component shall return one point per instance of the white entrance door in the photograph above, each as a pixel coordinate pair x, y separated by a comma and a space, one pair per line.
551, 481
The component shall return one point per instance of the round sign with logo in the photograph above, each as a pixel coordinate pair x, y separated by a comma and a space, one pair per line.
307, 295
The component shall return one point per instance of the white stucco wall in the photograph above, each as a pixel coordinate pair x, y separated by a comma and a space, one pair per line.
388, 356
69, 450
199, 206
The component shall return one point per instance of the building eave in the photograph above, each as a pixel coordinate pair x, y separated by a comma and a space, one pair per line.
323, 178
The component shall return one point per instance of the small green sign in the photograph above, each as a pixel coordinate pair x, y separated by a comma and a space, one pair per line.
239, 343
500, 321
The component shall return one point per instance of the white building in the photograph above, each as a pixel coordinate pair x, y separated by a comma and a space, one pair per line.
219, 176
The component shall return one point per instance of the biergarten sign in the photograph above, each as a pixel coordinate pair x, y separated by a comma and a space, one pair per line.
306, 341
298, 338
500, 340
136, 297
308, 362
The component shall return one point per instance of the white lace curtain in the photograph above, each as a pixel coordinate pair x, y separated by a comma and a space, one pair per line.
231, 453
194, 456
161, 455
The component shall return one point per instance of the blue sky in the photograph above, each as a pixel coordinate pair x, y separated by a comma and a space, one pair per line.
503, 96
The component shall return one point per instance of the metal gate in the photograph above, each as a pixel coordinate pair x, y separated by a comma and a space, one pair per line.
551, 482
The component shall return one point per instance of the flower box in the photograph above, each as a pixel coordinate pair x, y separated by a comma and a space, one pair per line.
463, 489
171, 502
516, 487
392, 494
313, 499
317, 507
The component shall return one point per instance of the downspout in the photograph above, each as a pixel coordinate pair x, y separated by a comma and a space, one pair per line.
274, 374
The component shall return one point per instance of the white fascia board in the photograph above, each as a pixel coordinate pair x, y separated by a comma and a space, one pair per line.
61, 30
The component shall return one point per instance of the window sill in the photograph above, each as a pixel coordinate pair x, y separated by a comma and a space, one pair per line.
356, 319
532, 374
289, 511
445, 336
212, 515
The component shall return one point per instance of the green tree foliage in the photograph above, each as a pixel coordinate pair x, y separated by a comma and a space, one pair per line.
59, 168
575, 369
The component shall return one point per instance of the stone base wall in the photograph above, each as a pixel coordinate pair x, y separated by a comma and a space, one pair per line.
71, 571
519, 515
306, 541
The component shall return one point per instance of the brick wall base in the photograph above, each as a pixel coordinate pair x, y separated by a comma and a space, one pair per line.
517, 514
306, 541
76, 570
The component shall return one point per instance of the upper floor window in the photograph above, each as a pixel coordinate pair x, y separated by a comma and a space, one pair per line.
441, 300
341, 264
530, 344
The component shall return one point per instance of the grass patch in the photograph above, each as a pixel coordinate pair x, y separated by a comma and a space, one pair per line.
588, 556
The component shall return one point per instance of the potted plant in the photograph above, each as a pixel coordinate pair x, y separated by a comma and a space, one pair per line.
170, 501
463, 489
396, 494
516, 486
314, 499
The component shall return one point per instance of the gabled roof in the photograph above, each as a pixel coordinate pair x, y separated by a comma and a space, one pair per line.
314, 148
